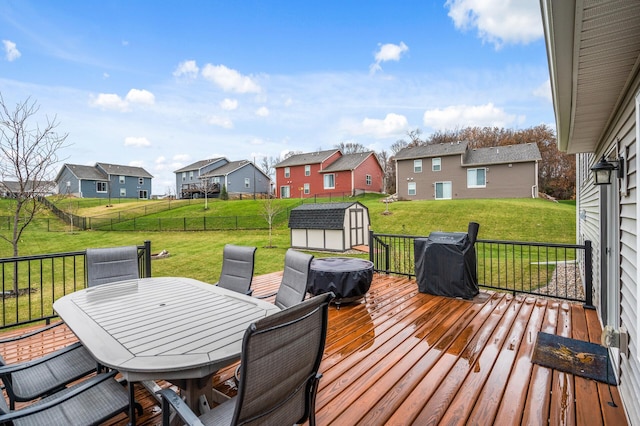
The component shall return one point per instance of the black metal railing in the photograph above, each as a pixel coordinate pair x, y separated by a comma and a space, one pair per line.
30, 284
562, 271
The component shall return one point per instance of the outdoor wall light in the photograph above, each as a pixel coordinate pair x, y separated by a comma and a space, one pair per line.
603, 168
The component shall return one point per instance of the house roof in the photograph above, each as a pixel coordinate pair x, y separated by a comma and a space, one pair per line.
198, 165
319, 216
518, 153
84, 172
433, 150
307, 158
592, 49
117, 169
348, 162
231, 167
30, 185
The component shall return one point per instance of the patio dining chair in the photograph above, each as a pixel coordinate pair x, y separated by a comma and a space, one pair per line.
89, 402
280, 358
26, 381
295, 279
237, 268
110, 264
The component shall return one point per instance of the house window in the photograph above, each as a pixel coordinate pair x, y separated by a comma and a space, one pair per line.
287, 172
121, 179
247, 182
101, 186
142, 194
140, 181
190, 175
368, 180
284, 192
307, 188
443, 190
476, 178
184, 176
329, 181
123, 192
307, 170
411, 188
216, 179
417, 166
436, 164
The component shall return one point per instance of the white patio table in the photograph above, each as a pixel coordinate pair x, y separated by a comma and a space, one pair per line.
171, 328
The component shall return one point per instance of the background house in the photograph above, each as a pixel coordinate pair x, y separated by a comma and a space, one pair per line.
453, 170
594, 62
9, 188
326, 173
104, 181
188, 182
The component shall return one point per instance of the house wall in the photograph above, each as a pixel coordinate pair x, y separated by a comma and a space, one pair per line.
370, 166
74, 183
131, 187
514, 180
593, 212
88, 189
236, 181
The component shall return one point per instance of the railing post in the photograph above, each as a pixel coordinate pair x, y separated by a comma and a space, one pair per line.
588, 275
147, 259
371, 247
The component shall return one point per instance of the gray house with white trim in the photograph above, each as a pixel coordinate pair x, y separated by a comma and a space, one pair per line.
104, 181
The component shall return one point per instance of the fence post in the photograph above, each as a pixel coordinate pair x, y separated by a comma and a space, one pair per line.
147, 259
588, 275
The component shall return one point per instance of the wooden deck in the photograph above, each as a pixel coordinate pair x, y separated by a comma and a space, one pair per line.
404, 357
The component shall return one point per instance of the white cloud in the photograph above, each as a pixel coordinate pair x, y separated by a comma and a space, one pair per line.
137, 96
263, 111
229, 104
498, 21
392, 124
387, 52
113, 101
105, 75
136, 141
223, 122
229, 79
544, 91
459, 116
188, 69
161, 159
10, 50
110, 101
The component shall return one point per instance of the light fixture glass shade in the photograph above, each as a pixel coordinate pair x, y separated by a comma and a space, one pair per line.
602, 172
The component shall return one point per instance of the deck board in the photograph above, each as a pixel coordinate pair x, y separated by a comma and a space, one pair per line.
402, 357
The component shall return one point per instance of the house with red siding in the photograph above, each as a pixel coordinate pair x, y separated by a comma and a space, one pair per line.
329, 173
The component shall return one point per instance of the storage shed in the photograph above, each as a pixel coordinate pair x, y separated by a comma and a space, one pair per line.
329, 226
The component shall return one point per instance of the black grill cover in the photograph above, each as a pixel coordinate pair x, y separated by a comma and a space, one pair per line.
446, 264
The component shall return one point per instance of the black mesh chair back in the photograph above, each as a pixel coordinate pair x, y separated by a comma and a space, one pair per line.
237, 268
107, 265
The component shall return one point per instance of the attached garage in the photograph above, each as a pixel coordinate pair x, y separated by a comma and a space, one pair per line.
329, 226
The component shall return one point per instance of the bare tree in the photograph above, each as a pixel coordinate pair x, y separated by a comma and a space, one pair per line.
29, 155
270, 210
267, 165
351, 147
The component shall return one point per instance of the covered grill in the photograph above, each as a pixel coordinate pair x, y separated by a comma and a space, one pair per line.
446, 263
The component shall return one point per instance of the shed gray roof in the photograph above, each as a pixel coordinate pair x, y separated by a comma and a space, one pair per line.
518, 153
433, 150
307, 158
85, 172
348, 162
320, 216
198, 165
117, 169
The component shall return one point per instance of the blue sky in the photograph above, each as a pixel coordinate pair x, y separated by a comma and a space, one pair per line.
163, 84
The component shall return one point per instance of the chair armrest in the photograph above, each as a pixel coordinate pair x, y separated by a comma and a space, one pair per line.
31, 333
264, 296
56, 399
173, 400
12, 368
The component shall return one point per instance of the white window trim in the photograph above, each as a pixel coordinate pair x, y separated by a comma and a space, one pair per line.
307, 170
287, 172
433, 165
123, 192
307, 188
415, 189
122, 179
324, 181
485, 178
415, 168
435, 192
105, 187
247, 182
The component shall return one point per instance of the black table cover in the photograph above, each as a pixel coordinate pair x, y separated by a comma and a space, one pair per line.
348, 278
